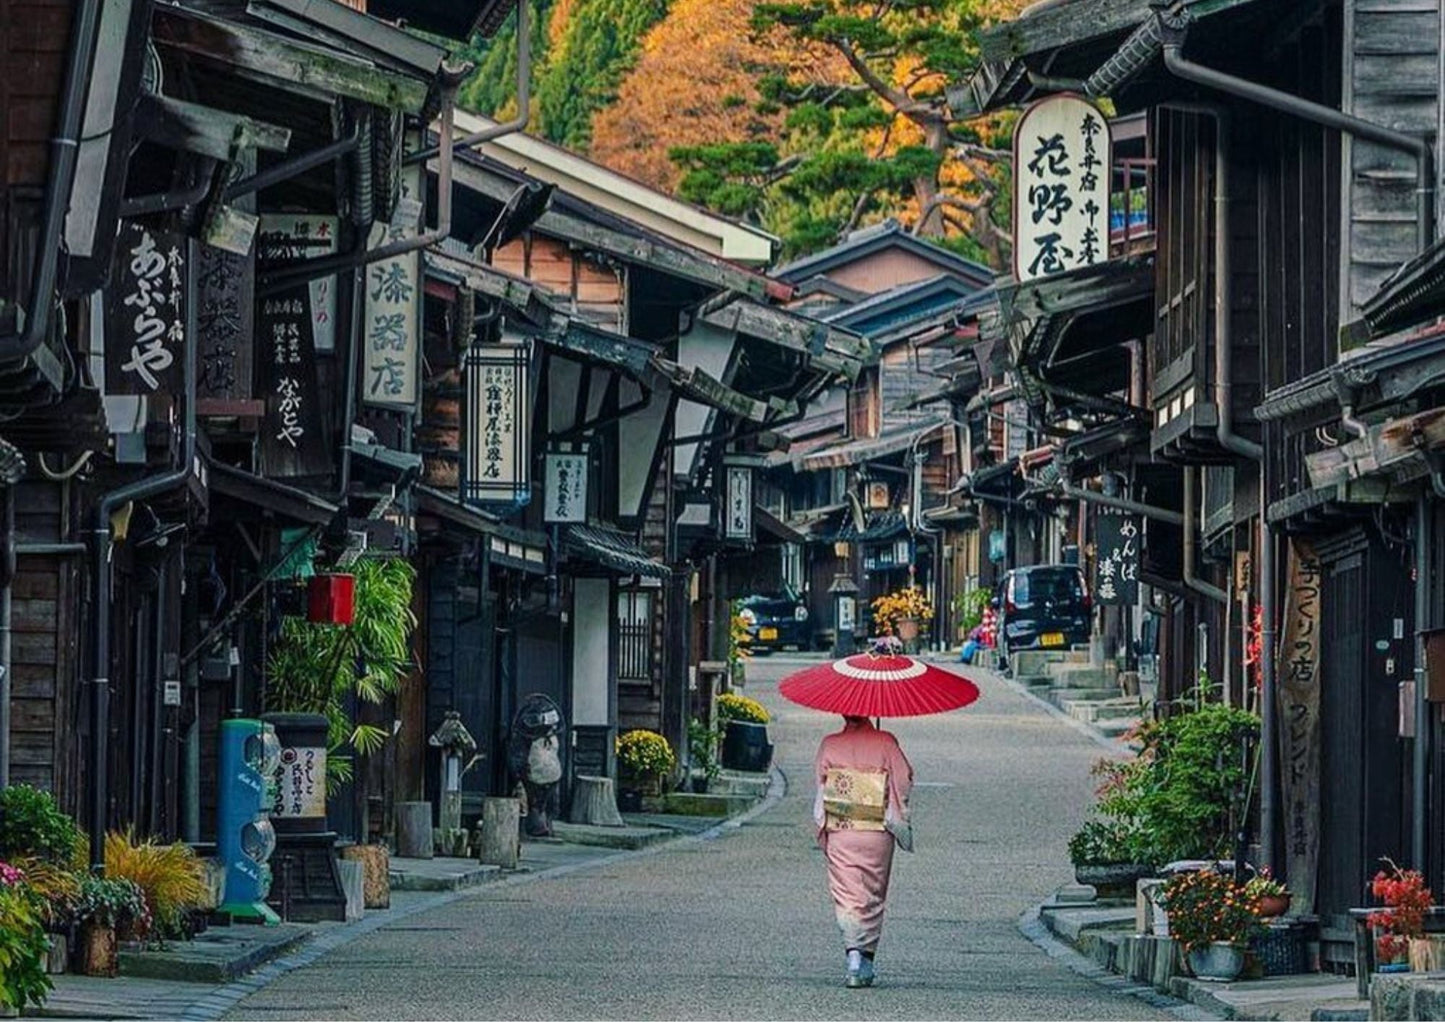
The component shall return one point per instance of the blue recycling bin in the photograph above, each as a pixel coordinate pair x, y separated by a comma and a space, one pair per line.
249, 756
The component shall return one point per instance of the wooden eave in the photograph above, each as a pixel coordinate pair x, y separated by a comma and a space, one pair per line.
289, 63
1075, 22
517, 292
827, 347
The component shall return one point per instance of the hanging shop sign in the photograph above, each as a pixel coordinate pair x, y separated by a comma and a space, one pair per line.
566, 487
1061, 187
288, 237
225, 292
391, 327
145, 333
1116, 565
1298, 700
292, 442
497, 420
738, 517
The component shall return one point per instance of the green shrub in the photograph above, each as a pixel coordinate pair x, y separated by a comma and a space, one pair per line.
32, 824
1107, 843
23, 947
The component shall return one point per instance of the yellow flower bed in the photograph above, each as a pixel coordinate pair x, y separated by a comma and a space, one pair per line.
645, 754
732, 706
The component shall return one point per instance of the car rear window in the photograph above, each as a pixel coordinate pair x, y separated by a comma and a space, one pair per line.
1062, 584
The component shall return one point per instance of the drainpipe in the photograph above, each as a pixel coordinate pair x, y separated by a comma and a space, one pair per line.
64, 148
101, 548
1198, 585
5, 633
1349, 124
1420, 766
1269, 726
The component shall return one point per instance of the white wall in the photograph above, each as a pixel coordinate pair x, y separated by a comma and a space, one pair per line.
591, 659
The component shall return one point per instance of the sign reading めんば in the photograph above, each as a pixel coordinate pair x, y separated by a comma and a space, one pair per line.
145, 334
1116, 566
1061, 187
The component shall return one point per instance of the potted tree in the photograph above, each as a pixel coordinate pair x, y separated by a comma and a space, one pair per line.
1108, 856
744, 726
902, 613
702, 742
1212, 917
1400, 941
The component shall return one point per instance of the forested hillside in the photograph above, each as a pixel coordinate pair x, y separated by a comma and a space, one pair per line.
810, 118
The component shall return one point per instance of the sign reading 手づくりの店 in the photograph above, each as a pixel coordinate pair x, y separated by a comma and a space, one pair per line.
301, 783
288, 237
566, 487
1298, 701
496, 424
738, 517
1061, 187
1116, 564
145, 334
291, 437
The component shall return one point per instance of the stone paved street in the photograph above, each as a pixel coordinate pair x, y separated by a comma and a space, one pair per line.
741, 926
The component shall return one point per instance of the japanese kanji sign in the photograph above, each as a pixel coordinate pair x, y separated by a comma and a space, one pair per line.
1116, 564
1298, 699
291, 440
287, 237
1061, 187
566, 487
738, 515
145, 334
300, 783
393, 311
225, 288
497, 423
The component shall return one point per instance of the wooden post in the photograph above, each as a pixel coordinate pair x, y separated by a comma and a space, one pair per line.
501, 832
413, 830
594, 801
376, 873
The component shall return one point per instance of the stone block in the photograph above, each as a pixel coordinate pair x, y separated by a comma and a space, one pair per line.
1390, 996
1075, 894
1428, 1002
215, 883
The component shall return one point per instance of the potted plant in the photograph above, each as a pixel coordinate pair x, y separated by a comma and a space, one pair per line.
1273, 896
23, 944
737, 645
901, 613
702, 742
172, 880
1107, 856
644, 758
1400, 941
744, 726
1212, 917
108, 906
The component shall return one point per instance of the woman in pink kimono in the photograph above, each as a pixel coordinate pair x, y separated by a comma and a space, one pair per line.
861, 811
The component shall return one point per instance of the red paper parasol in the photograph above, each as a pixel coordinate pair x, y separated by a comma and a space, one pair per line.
870, 685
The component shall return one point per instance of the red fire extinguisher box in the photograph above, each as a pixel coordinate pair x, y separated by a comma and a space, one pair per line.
331, 599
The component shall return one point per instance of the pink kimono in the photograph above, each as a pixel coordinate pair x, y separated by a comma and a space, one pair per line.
859, 861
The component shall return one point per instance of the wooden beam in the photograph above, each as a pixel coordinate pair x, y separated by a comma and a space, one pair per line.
828, 347
486, 280
218, 134
286, 62
1072, 23
1395, 447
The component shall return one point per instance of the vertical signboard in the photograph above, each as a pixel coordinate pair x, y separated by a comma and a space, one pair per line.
738, 516
300, 783
1015, 427
566, 487
225, 290
497, 423
291, 440
1298, 700
1061, 187
391, 325
145, 333
288, 237
1116, 562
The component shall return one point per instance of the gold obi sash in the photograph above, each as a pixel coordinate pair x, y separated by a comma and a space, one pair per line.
854, 799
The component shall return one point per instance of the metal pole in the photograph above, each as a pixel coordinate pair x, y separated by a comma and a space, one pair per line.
5, 634
1269, 728
1421, 765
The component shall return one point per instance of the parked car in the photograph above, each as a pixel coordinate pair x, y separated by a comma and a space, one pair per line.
1043, 607
775, 621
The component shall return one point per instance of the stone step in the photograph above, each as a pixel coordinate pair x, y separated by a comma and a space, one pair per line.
1034, 661
611, 837
1070, 676
1116, 726
219, 955
737, 782
1094, 710
1058, 695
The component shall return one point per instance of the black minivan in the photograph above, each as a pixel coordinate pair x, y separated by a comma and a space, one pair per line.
1043, 607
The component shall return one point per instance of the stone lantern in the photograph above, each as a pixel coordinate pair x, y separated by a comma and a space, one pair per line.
458, 749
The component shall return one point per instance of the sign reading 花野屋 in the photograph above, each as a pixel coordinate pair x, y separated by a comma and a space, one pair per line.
566, 487
1061, 187
1116, 567
145, 335
738, 516
496, 423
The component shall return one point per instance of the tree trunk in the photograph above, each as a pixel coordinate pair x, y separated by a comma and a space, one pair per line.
413, 830
501, 832
594, 801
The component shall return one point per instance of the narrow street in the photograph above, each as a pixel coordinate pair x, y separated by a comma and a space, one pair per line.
741, 926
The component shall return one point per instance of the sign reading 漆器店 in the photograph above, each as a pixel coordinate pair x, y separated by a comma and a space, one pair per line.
391, 327
145, 334
1061, 187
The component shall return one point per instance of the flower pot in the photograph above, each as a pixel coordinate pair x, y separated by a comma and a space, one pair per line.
1217, 961
1112, 880
1272, 905
57, 956
97, 950
907, 628
629, 800
745, 747
1427, 954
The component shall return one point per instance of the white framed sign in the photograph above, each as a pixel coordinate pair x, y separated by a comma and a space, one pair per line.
738, 517
566, 487
1061, 187
497, 423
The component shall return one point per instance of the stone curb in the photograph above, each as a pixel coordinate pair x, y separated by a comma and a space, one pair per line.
1034, 930
219, 1001
1087, 730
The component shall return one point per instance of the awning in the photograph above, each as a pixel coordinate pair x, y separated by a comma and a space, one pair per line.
828, 347
1081, 452
1377, 374
855, 452
270, 495
880, 527
1415, 293
611, 549
509, 546
765, 522
813, 524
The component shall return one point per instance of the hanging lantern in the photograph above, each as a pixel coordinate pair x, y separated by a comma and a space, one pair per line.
331, 599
